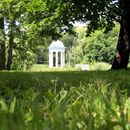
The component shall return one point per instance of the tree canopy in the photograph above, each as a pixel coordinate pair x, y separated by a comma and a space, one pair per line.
25, 24
97, 13
102, 14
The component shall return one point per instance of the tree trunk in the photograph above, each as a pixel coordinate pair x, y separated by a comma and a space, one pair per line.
10, 49
123, 47
2, 45
122, 53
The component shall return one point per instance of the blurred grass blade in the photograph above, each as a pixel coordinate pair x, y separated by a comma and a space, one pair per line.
12, 105
3, 105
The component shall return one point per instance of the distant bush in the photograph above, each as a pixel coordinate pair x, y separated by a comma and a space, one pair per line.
100, 66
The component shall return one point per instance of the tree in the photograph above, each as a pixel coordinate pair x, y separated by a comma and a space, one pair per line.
102, 14
11, 11
27, 23
2, 44
100, 47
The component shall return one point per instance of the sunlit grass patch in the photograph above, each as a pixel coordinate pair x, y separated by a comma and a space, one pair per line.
100, 66
45, 68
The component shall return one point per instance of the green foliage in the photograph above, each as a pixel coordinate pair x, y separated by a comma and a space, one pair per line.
23, 61
69, 41
75, 45
1, 37
98, 14
32, 21
101, 47
28, 22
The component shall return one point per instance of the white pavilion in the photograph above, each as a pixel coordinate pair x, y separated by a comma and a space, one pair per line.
56, 54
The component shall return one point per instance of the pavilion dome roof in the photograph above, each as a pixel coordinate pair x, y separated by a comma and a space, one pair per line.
56, 44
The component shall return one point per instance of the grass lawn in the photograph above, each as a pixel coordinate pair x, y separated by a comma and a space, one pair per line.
65, 100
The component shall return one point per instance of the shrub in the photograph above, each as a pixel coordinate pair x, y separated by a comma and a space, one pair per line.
100, 66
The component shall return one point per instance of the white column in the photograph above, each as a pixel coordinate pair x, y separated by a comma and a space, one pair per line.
63, 59
56, 58
50, 59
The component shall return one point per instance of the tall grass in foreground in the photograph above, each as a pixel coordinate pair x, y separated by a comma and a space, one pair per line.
94, 106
